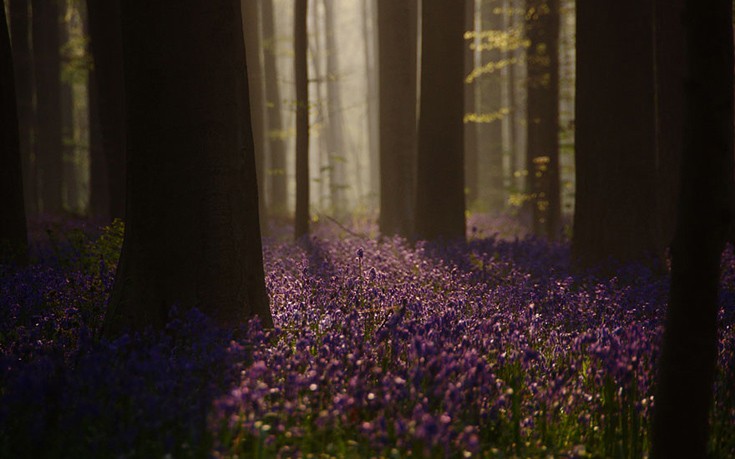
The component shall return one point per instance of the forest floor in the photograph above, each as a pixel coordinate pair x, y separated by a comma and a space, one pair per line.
490, 348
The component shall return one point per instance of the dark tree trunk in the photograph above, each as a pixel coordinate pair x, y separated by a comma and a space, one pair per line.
397, 41
301, 223
615, 212
47, 64
106, 46
688, 357
192, 236
23, 62
470, 128
276, 139
256, 81
440, 172
669, 36
542, 159
13, 234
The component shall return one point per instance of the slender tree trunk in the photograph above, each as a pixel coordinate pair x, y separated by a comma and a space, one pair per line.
256, 82
440, 172
47, 63
107, 53
336, 132
397, 41
276, 139
490, 127
301, 223
688, 358
470, 96
542, 160
68, 147
192, 235
615, 213
370, 34
13, 233
20, 20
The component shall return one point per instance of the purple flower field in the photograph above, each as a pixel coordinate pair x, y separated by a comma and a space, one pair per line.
492, 348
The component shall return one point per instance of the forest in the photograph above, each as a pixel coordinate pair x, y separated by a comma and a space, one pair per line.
367, 229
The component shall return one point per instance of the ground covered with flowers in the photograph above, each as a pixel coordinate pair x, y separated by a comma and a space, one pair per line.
493, 348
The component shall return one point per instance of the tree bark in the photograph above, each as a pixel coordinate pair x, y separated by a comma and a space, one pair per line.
397, 86
471, 150
335, 135
47, 71
616, 215
542, 159
13, 231
301, 223
276, 141
192, 236
107, 53
440, 171
490, 128
687, 365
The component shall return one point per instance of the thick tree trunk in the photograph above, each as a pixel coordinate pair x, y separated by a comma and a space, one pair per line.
107, 53
13, 234
616, 214
440, 171
688, 357
47, 71
542, 159
23, 63
301, 223
276, 139
192, 235
397, 41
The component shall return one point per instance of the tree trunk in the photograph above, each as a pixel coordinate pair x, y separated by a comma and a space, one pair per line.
13, 233
301, 223
47, 63
192, 235
542, 160
470, 95
370, 34
688, 357
490, 124
440, 171
23, 63
107, 53
616, 214
397, 41
276, 139
256, 82
335, 135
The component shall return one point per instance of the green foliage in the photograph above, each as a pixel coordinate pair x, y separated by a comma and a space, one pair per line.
77, 249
